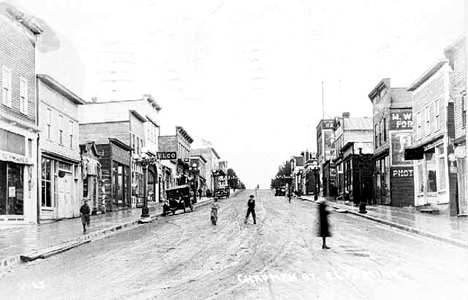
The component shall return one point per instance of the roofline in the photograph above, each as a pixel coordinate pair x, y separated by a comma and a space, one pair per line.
184, 133
152, 121
115, 101
51, 82
427, 74
120, 144
137, 115
26, 20
152, 101
378, 87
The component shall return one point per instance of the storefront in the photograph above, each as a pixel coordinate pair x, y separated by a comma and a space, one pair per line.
91, 175
382, 179
59, 188
18, 177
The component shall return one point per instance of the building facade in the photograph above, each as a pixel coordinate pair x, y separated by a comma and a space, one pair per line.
325, 153
432, 139
212, 163
135, 123
59, 158
93, 189
349, 131
393, 125
456, 54
200, 180
179, 143
18, 119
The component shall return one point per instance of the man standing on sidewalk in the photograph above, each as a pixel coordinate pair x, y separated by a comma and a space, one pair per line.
85, 211
251, 209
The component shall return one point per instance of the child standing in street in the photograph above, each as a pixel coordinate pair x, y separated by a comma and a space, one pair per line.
251, 209
214, 211
85, 211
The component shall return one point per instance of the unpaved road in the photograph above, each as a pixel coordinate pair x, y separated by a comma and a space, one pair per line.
185, 257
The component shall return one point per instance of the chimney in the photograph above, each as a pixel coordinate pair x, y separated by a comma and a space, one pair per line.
345, 115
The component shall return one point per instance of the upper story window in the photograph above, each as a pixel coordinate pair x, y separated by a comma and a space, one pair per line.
463, 111
23, 95
380, 133
6, 86
71, 134
427, 128
436, 115
61, 130
385, 130
49, 123
419, 127
376, 136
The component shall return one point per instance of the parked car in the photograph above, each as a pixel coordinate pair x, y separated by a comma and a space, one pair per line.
281, 191
179, 197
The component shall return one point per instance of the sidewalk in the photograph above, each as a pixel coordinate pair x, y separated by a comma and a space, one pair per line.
444, 228
63, 235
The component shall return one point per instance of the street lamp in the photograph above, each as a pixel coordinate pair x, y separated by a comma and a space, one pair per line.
315, 169
145, 159
194, 170
362, 202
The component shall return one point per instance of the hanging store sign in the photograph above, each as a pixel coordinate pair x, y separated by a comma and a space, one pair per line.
15, 158
166, 155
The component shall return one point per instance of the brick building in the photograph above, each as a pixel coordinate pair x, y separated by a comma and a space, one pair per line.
18, 118
212, 163
200, 179
60, 158
326, 153
133, 122
349, 131
179, 143
432, 139
393, 124
455, 53
297, 168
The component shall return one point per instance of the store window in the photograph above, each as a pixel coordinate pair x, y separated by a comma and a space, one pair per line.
11, 193
442, 168
23, 95
420, 178
46, 183
431, 168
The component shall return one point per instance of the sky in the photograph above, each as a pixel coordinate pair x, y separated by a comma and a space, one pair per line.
247, 75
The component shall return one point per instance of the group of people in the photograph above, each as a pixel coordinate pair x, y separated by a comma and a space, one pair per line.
322, 226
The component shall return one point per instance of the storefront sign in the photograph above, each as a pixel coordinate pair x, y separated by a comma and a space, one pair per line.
167, 155
402, 172
401, 120
15, 158
12, 192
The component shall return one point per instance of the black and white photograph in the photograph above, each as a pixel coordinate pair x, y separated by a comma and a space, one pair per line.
233, 150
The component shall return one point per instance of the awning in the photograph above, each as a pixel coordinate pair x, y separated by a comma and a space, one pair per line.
414, 154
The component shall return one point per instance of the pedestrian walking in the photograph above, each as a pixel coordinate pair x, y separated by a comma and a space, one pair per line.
214, 212
323, 226
208, 193
85, 211
200, 191
289, 195
251, 209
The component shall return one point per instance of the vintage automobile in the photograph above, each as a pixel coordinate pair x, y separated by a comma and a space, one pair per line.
179, 197
222, 192
280, 191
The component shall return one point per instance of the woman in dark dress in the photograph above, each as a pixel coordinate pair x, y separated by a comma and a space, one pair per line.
323, 226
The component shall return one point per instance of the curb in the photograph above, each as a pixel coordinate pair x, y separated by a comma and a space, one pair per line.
76, 242
399, 226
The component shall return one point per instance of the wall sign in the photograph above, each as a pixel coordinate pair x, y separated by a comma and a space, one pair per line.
402, 172
15, 158
401, 120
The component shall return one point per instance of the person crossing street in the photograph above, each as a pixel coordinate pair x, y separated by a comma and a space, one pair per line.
251, 209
